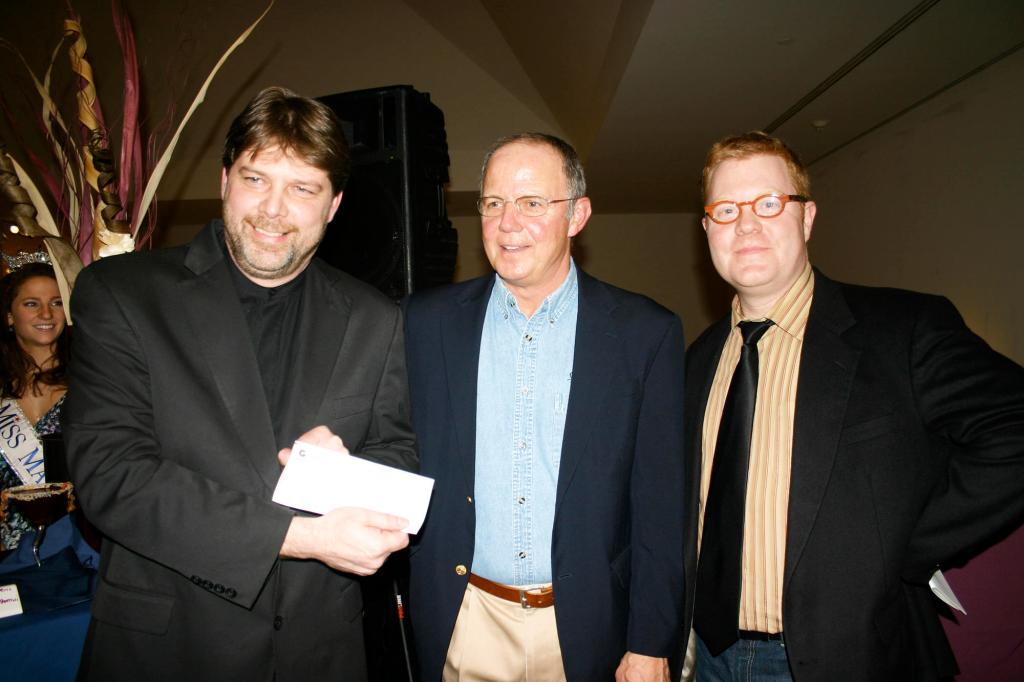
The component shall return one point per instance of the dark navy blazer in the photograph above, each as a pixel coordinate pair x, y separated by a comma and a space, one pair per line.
617, 542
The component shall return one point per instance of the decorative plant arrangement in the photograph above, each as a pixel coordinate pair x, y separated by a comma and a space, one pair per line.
88, 200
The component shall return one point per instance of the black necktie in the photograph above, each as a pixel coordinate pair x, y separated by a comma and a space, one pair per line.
720, 570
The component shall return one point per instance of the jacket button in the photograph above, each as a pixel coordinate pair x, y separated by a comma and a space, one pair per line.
278, 622
460, 570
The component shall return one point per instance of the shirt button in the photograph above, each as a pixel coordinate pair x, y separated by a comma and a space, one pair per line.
460, 570
521, 500
522, 445
528, 338
522, 555
278, 622
469, 499
524, 390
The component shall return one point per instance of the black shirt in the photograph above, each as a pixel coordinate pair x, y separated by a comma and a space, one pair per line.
272, 314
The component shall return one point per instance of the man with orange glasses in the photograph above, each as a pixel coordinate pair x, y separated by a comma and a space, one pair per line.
843, 443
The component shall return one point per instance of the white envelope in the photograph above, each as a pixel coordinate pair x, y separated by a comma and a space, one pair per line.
319, 480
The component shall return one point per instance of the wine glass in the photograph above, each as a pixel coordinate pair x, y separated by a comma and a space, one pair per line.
41, 505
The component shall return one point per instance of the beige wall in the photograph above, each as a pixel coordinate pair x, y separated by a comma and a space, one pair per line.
931, 202
927, 202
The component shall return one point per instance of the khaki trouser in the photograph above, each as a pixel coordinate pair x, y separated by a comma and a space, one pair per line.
499, 641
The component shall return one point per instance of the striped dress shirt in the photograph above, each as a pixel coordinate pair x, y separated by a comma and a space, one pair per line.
771, 449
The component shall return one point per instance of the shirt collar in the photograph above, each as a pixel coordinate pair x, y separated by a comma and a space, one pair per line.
790, 312
554, 306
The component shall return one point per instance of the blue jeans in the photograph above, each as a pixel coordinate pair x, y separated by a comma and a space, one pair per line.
744, 661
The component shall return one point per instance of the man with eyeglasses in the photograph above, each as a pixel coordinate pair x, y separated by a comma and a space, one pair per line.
843, 442
548, 408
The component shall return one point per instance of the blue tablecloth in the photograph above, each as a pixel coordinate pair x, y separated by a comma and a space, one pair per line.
45, 642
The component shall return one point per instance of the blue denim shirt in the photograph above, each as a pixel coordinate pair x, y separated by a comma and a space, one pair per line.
523, 387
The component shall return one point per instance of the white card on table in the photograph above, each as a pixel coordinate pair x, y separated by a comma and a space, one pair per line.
10, 602
318, 480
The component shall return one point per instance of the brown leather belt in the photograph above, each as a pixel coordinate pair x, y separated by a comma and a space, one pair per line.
538, 598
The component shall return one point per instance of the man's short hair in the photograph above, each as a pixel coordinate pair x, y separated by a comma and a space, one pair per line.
752, 144
572, 167
278, 117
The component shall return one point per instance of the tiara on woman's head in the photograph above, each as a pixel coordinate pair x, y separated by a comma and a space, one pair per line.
23, 258
19, 250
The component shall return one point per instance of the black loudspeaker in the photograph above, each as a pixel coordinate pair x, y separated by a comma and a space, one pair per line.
392, 229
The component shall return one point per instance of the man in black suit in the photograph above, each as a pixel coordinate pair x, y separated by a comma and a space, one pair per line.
548, 407
192, 368
887, 440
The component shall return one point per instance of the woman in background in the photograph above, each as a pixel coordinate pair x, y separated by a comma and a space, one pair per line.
33, 378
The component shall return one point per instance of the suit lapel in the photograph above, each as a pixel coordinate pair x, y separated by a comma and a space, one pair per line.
595, 348
324, 315
827, 368
222, 338
701, 364
460, 340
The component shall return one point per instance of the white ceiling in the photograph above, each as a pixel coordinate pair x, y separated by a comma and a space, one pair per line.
642, 87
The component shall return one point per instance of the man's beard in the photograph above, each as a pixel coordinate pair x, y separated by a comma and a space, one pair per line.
260, 262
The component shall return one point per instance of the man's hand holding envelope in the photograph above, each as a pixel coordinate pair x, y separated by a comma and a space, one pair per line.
355, 533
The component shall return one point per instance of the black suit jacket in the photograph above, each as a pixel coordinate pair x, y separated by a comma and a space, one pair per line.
908, 454
617, 539
173, 455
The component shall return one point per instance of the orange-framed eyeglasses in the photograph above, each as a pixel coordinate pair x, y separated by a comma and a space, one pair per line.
764, 206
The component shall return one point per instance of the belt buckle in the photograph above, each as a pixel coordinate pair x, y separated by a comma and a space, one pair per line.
522, 600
